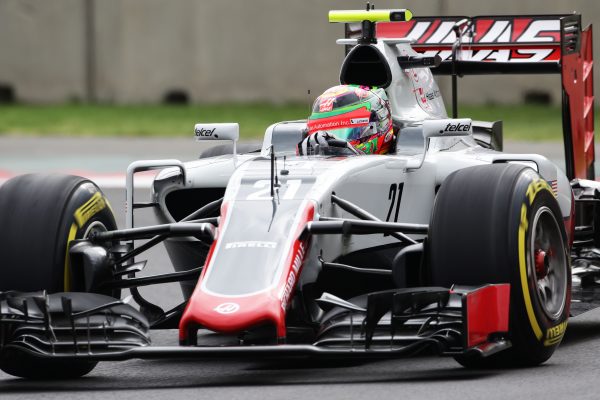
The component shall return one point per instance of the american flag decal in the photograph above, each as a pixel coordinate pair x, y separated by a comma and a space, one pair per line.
554, 186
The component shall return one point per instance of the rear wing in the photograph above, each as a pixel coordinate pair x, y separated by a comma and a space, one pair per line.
529, 44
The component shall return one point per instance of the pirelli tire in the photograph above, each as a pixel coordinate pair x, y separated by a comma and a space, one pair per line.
501, 223
40, 214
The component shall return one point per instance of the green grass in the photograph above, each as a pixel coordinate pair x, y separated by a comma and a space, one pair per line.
142, 120
529, 122
520, 122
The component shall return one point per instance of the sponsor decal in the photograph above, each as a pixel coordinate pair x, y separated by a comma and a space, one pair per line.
325, 125
251, 244
326, 104
555, 334
359, 121
328, 124
287, 289
298, 258
82, 215
535, 187
424, 97
290, 282
434, 94
90, 208
344, 120
201, 132
500, 30
458, 127
227, 308
496, 32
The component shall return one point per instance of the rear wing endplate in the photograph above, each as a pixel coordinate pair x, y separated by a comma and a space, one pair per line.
527, 44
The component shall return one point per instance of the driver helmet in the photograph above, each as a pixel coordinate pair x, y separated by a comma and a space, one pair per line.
357, 114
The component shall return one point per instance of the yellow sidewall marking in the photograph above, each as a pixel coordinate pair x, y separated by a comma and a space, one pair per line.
523, 272
82, 215
67, 272
532, 191
555, 334
90, 208
552, 342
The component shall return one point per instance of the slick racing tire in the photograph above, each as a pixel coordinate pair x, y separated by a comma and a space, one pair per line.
17, 363
40, 215
501, 223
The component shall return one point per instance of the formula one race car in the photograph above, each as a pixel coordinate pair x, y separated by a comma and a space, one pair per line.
445, 243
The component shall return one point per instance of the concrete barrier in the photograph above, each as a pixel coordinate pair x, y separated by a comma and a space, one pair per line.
135, 51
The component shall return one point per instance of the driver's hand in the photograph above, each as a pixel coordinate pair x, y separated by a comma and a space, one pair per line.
317, 142
312, 143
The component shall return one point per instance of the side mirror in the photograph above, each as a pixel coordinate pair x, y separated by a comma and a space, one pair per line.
447, 127
223, 131
440, 128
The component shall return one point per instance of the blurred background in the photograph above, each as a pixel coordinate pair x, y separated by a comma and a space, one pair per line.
109, 67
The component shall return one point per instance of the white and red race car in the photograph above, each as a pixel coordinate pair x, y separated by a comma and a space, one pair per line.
445, 243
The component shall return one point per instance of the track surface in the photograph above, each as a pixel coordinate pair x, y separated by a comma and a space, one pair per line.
570, 373
109, 155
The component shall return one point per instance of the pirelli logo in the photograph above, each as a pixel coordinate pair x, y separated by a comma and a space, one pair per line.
555, 334
250, 244
535, 187
90, 208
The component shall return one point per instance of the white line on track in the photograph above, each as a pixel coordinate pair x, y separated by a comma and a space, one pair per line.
142, 180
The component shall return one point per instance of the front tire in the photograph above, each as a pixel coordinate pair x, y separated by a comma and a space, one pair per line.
39, 217
501, 223
17, 363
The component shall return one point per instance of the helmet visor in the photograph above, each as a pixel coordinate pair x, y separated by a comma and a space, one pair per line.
350, 134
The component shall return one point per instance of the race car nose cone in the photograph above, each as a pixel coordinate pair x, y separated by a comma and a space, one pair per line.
230, 314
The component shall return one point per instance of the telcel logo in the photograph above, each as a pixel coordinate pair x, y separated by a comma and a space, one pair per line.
201, 132
457, 127
227, 308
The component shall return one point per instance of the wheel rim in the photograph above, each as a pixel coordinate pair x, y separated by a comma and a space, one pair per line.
548, 260
95, 226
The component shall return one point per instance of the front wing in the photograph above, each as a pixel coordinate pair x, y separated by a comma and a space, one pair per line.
95, 327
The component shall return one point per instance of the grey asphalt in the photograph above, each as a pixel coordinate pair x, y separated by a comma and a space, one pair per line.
109, 155
571, 373
91, 154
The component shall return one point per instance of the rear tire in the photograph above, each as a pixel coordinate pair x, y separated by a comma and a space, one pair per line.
40, 215
501, 223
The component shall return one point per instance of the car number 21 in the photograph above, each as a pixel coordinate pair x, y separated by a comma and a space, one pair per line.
394, 196
287, 191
